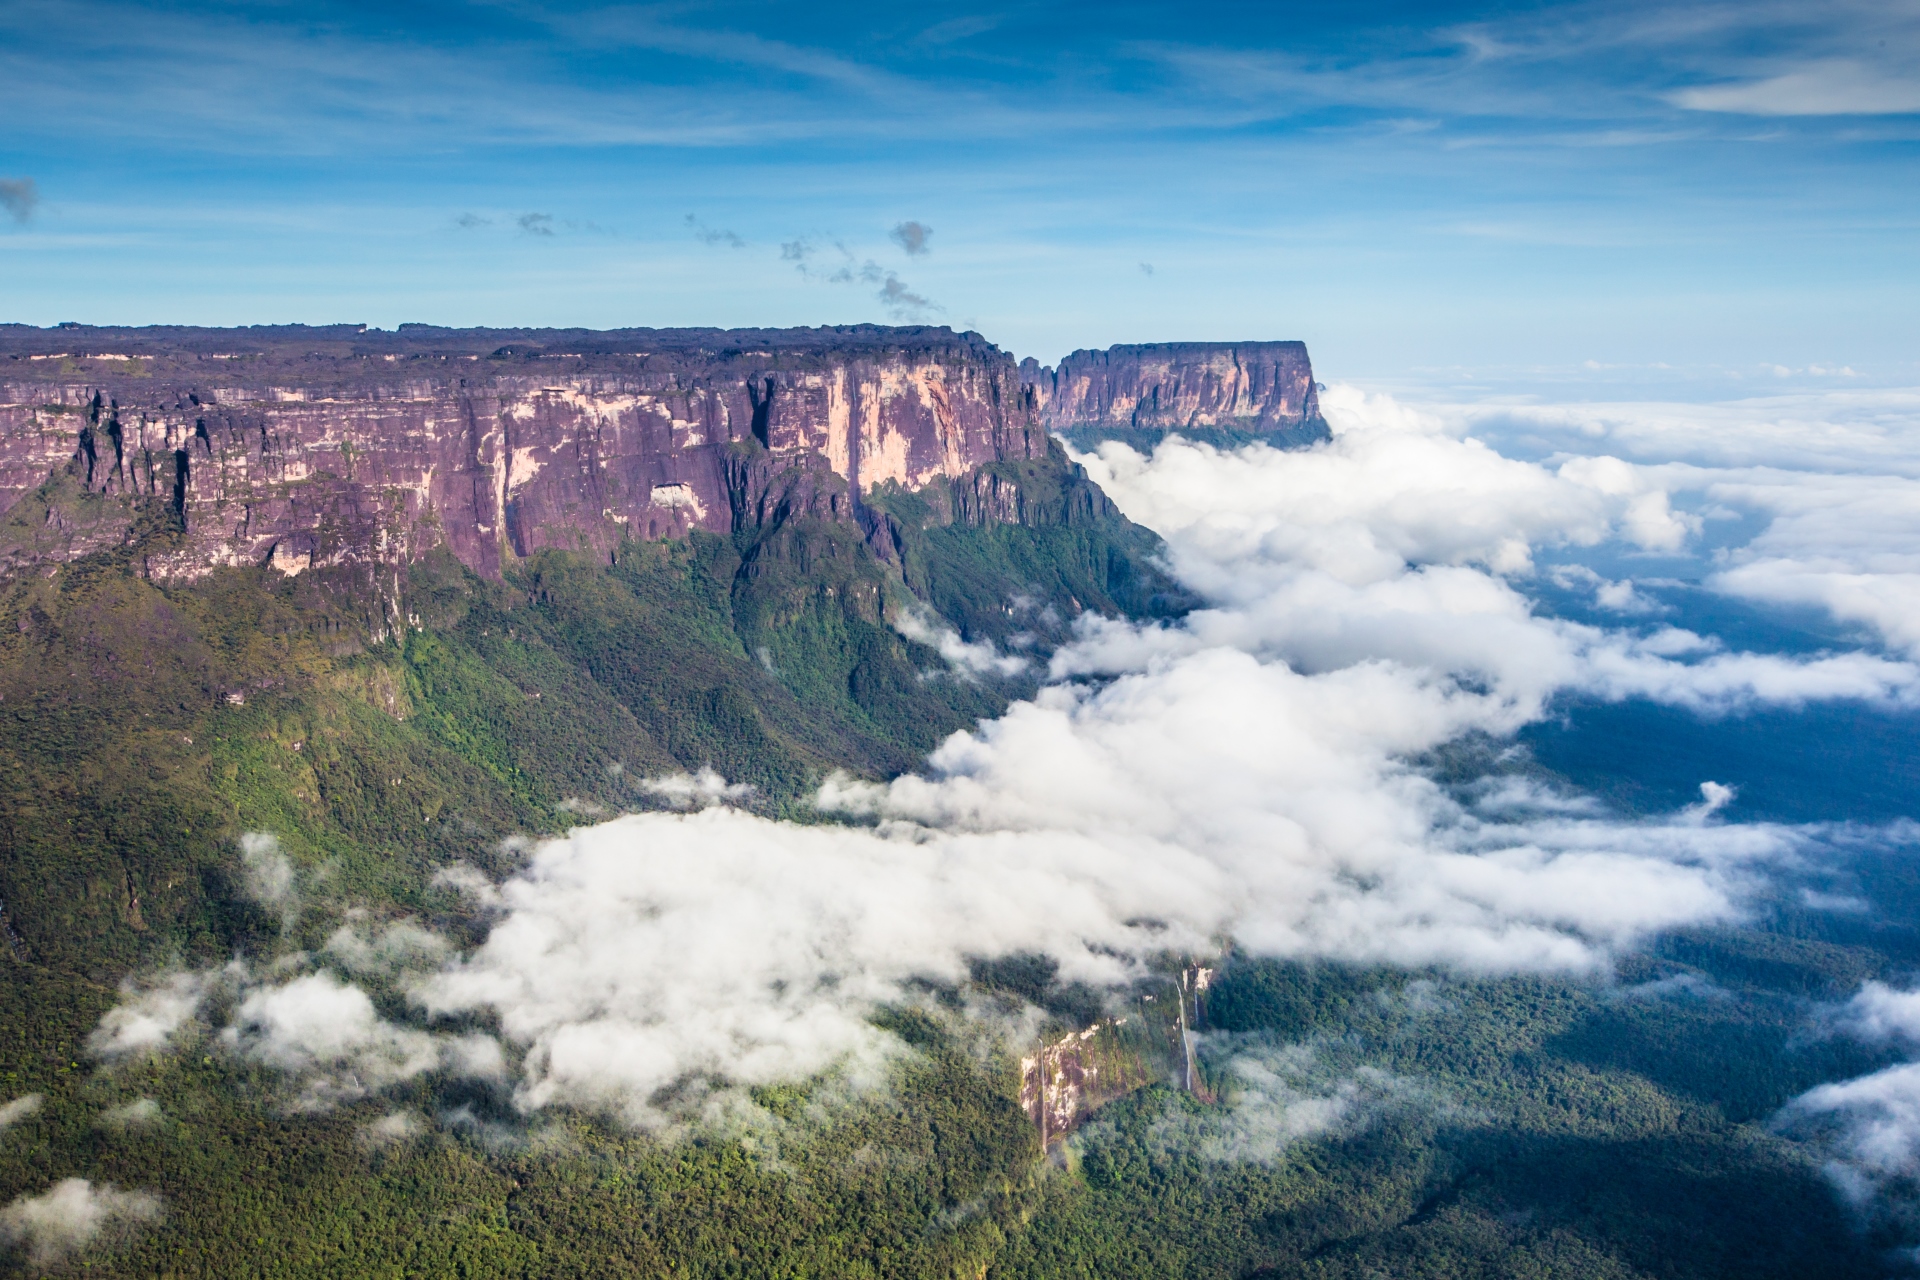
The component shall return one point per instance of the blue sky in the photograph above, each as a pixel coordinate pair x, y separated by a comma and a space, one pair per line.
1523, 192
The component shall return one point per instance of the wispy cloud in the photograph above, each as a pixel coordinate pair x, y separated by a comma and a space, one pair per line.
19, 197
65, 1221
955, 29
714, 235
912, 237
901, 301
1831, 88
294, 89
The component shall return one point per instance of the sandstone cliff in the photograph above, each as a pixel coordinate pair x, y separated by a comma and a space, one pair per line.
304, 447
1245, 390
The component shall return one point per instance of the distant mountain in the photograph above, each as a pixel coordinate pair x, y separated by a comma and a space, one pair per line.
1225, 393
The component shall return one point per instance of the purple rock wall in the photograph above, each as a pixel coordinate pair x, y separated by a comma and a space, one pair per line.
1243, 386
302, 447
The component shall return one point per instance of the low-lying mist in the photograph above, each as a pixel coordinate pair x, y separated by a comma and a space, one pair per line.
1270, 772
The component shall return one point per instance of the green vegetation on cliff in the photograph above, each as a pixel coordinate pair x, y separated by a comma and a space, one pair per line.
383, 728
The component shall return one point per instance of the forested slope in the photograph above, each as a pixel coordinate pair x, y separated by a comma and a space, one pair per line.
1524, 1127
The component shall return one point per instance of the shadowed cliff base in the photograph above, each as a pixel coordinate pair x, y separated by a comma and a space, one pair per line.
1144, 440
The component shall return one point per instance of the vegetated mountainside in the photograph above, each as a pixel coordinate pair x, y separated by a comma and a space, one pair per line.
385, 714
479, 604
408, 690
1224, 393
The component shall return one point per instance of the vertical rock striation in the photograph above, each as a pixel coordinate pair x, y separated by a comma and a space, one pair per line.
302, 447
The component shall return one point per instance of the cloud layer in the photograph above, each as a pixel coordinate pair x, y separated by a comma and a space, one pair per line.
75, 1214
1248, 773
1832, 481
1869, 1126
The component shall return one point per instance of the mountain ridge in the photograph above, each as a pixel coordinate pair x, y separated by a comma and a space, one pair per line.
305, 447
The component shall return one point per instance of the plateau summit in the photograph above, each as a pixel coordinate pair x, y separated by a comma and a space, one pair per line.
300, 447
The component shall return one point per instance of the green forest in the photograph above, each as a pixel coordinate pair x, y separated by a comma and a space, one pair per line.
383, 728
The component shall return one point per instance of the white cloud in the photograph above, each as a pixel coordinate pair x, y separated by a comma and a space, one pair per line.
1398, 541
969, 658
1617, 597
1869, 1126
270, 876
1848, 545
1240, 774
1689, 986
1878, 1014
469, 883
656, 948
1395, 486
137, 1114
320, 1029
1214, 795
1837, 433
329, 1033
12, 1113
399, 945
697, 790
1830, 87
151, 1016
75, 1214
391, 1129
1833, 478
1278, 1097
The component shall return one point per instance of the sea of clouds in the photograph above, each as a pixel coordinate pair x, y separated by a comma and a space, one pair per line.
1254, 772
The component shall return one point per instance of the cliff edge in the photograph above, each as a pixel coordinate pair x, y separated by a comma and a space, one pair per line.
1221, 392
302, 447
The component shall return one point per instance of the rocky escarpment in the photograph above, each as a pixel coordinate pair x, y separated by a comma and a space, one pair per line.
1233, 390
1066, 1080
302, 447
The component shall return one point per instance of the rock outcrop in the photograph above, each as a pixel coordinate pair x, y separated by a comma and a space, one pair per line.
1244, 390
1065, 1081
302, 447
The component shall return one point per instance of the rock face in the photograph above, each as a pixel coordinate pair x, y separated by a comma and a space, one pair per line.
304, 447
1064, 1082
1248, 389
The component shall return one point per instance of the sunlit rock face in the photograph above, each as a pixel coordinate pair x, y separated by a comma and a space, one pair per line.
1249, 388
300, 447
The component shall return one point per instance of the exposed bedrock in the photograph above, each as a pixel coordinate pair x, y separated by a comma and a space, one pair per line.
1242, 389
303, 447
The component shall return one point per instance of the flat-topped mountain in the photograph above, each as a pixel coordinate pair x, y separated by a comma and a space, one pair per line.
300, 447
1226, 392
303, 447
